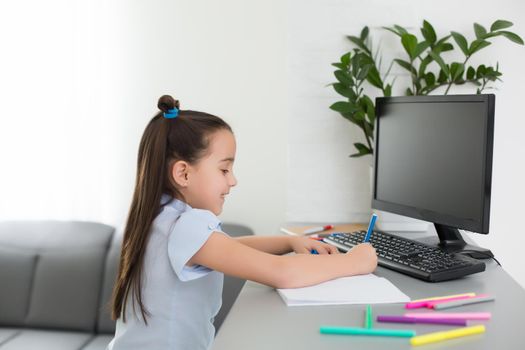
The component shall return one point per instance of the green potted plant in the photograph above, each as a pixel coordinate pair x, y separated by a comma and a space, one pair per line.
361, 65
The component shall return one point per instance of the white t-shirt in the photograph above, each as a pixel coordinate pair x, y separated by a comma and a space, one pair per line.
182, 301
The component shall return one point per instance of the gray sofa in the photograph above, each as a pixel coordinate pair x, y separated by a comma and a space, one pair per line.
56, 280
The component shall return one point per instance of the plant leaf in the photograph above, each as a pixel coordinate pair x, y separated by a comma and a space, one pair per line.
428, 32
363, 72
392, 30
479, 30
477, 45
422, 46
409, 42
364, 33
358, 42
363, 149
461, 41
345, 59
456, 70
442, 77
343, 77
360, 116
442, 40
512, 37
400, 29
388, 90
343, 90
430, 79
368, 105
406, 65
343, 107
369, 129
374, 78
423, 65
471, 73
339, 65
500, 24
439, 61
480, 72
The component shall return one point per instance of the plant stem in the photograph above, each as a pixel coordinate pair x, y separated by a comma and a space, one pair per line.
366, 136
452, 81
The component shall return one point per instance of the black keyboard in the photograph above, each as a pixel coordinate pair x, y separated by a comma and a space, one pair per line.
409, 257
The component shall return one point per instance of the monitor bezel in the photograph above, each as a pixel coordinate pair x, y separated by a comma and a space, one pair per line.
481, 226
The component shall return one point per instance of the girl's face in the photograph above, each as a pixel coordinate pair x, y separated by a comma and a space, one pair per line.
211, 178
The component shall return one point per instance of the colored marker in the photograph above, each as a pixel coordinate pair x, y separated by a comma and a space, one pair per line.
367, 331
444, 297
318, 229
460, 315
368, 317
440, 336
405, 319
431, 303
370, 228
451, 304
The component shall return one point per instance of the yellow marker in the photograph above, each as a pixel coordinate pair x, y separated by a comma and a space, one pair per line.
446, 297
446, 335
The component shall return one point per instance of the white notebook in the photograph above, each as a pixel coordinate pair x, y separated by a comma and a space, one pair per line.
363, 289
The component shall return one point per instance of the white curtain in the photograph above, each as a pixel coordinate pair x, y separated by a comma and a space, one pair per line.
58, 141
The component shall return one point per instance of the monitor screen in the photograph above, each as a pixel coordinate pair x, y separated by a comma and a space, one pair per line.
433, 158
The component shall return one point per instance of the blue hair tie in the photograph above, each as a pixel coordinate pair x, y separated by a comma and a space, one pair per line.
171, 113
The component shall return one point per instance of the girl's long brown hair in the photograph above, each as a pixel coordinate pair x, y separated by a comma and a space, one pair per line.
164, 141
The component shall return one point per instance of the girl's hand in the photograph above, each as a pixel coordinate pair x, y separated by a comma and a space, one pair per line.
304, 245
364, 258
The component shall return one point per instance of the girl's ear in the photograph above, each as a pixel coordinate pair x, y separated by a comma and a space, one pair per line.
179, 172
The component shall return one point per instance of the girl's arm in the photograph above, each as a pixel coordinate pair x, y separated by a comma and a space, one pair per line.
222, 253
269, 244
280, 245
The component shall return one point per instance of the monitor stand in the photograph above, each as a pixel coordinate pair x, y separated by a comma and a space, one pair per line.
451, 241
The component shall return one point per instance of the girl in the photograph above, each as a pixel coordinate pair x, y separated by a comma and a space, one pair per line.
174, 253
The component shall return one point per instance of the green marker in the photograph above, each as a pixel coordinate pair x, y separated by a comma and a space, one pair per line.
367, 331
368, 317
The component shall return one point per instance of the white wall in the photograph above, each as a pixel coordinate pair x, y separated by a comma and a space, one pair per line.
80, 80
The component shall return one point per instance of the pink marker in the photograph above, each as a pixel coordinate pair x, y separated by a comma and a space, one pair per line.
430, 303
461, 315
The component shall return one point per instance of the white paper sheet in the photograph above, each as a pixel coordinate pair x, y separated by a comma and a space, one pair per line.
364, 289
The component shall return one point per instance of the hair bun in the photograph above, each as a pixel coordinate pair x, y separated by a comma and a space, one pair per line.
166, 102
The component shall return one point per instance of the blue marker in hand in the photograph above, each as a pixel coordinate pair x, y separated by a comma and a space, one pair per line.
370, 228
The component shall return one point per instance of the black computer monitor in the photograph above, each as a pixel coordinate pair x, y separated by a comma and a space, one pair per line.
433, 162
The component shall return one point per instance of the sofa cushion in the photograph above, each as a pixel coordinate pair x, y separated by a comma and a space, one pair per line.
68, 273
6, 334
99, 342
16, 275
47, 340
66, 289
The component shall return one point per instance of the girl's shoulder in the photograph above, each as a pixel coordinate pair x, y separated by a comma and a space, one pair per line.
184, 218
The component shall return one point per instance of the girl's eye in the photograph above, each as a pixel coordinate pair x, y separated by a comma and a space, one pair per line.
225, 171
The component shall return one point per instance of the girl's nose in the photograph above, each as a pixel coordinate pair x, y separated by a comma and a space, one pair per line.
234, 181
